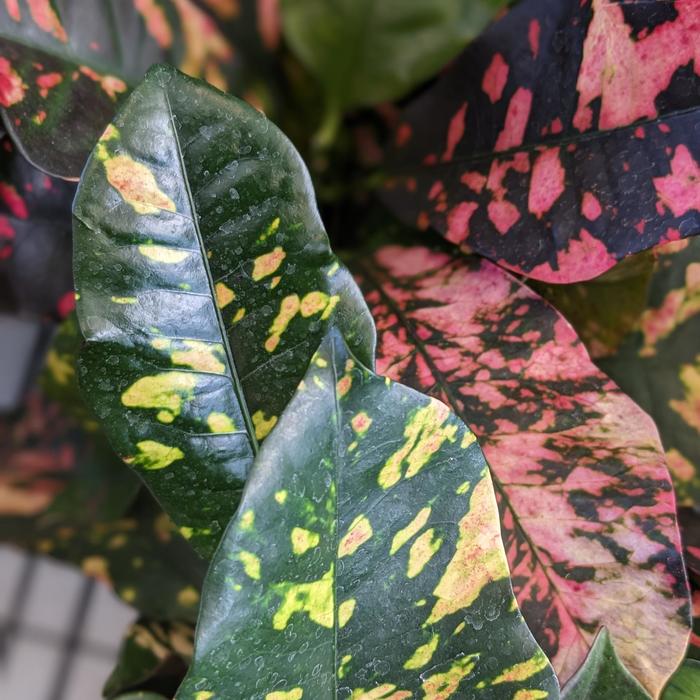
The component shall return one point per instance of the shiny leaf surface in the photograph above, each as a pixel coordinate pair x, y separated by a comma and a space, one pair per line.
65, 66
560, 141
206, 282
658, 364
685, 684
602, 676
587, 508
386, 515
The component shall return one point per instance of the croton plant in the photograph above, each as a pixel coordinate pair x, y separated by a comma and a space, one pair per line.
456, 458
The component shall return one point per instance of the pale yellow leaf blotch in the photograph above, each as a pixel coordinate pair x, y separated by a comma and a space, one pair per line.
267, 264
162, 391
238, 315
468, 439
422, 655
530, 694
358, 533
314, 598
422, 551
294, 694
263, 425
462, 488
220, 423
203, 695
386, 691
303, 540
188, 597
60, 369
153, 455
200, 356
251, 564
136, 184
247, 520
425, 433
270, 230
345, 611
519, 672
163, 254
289, 308
342, 669
478, 559
224, 295
440, 686
281, 496
405, 534
124, 300
361, 422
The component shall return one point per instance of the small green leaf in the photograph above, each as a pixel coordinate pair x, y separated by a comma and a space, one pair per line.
602, 676
364, 51
685, 682
364, 562
206, 283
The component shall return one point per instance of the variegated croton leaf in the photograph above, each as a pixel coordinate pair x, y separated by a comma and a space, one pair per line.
35, 238
562, 140
205, 283
587, 506
365, 562
154, 656
602, 676
659, 363
65, 66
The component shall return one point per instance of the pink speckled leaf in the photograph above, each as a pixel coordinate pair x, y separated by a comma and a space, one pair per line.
562, 140
588, 511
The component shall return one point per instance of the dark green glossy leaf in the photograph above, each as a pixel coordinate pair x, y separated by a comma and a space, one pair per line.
205, 284
154, 656
368, 52
685, 683
141, 696
365, 562
603, 676
64, 67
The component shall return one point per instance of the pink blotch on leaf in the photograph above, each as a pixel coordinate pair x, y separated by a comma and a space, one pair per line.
516, 121
403, 135
590, 206
458, 221
13, 201
474, 181
46, 81
495, 78
533, 36
503, 215
680, 191
455, 131
12, 88
13, 9
547, 183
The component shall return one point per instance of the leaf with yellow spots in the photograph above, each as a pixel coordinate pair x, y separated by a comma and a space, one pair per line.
210, 353
67, 68
397, 599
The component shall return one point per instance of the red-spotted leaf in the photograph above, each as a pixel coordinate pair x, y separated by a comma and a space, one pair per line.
65, 66
562, 140
35, 238
658, 364
588, 513
365, 560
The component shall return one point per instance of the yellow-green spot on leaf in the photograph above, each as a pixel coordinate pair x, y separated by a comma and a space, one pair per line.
124, 300
361, 422
128, 594
154, 455
294, 694
530, 694
135, 183
160, 343
386, 691
220, 423
420, 603
281, 496
332, 303
248, 519
358, 533
263, 425
422, 655
165, 392
200, 356
345, 611
319, 382
314, 598
344, 384
289, 308
188, 597
61, 369
519, 672
422, 551
353, 446
185, 286
251, 564
333, 269
344, 665
462, 488
238, 315
405, 534
275, 281
441, 686
320, 361
224, 295
458, 629
313, 302
267, 264
303, 540
425, 433
270, 230
478, 558
468, 439
164, 254
203, 695
186, 532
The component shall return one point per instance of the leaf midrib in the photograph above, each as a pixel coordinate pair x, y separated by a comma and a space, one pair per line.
235, 379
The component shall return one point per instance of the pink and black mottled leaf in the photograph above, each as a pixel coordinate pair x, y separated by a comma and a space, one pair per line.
65, 66
587, 506
562, 140
658, 364
35, 238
